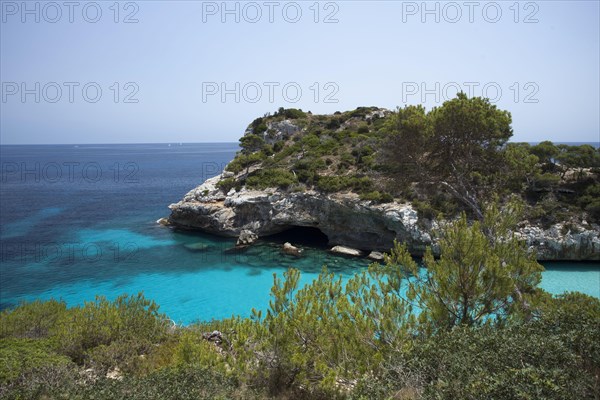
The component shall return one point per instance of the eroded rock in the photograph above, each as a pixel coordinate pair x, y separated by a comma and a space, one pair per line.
375, 256
350, 222
246, 238
348, 251
163, 221
288, 248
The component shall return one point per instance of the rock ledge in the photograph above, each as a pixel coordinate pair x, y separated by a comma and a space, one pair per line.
348, 221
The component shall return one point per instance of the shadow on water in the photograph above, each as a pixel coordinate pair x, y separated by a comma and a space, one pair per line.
571, 266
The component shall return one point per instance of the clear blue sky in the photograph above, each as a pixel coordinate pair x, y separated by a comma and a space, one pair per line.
377, 53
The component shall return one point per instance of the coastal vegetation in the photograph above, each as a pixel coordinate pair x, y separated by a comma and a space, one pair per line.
471, 324
453, 158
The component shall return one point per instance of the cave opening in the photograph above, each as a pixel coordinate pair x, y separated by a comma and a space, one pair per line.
303, 236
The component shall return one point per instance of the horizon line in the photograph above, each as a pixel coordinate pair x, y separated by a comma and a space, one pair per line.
233, 142
104, 144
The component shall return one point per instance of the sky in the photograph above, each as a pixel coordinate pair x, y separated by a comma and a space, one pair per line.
196, 71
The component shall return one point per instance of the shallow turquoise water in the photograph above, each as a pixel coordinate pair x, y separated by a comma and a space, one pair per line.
211, 284
76, 240
576, 277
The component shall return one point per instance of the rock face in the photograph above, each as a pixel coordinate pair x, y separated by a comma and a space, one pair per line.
349, 221
344, 218
564, 241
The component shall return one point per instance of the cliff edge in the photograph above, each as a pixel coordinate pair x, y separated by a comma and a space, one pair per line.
296, 169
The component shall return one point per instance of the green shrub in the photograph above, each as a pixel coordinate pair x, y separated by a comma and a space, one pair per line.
546, 181
574, 317
31, 320
377, 196
243, 161
424, 209
368, 162
327, 147
364, 128
277, 146
291, 113
371, 196
271, 178
334, 184
305, 170
333, 124
347, 159
287, 151
128, 355
201, 383
593, 208
258, 126
234, 166
512, 363
251, 143
21, 356
555, 356
361, 184
311, 141
362, 151
227, 184
101, 322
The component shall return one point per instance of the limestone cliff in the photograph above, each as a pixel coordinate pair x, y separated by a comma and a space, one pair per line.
347, 220
323, 171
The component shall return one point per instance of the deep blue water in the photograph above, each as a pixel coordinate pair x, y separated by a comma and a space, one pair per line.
79, 221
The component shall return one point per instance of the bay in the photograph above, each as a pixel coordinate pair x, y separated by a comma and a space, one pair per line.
79, 221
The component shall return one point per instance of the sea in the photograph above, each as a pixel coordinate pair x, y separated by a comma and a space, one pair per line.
79, 221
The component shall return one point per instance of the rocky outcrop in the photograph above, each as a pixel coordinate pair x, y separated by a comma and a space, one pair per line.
347, 251
276, 131
343, 217
349, 221
163, 221
246, 238
375, 256
292, 250
564, 241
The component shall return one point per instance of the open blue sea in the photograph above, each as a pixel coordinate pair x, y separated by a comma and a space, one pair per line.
80, 221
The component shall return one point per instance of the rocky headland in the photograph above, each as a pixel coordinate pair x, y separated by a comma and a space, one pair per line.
233, 204
349, 221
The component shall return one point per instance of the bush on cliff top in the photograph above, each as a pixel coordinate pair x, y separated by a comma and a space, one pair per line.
414, 153
271, 178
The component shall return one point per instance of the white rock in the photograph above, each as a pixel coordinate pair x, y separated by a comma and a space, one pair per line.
162, 221
246, 238
288, 248
115, 374
349, 251
376, 255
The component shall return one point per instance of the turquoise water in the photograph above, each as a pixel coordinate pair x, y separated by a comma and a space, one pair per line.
77, 239
576, 277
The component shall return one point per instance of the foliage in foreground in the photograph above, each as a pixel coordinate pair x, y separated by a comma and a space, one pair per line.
470, 325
